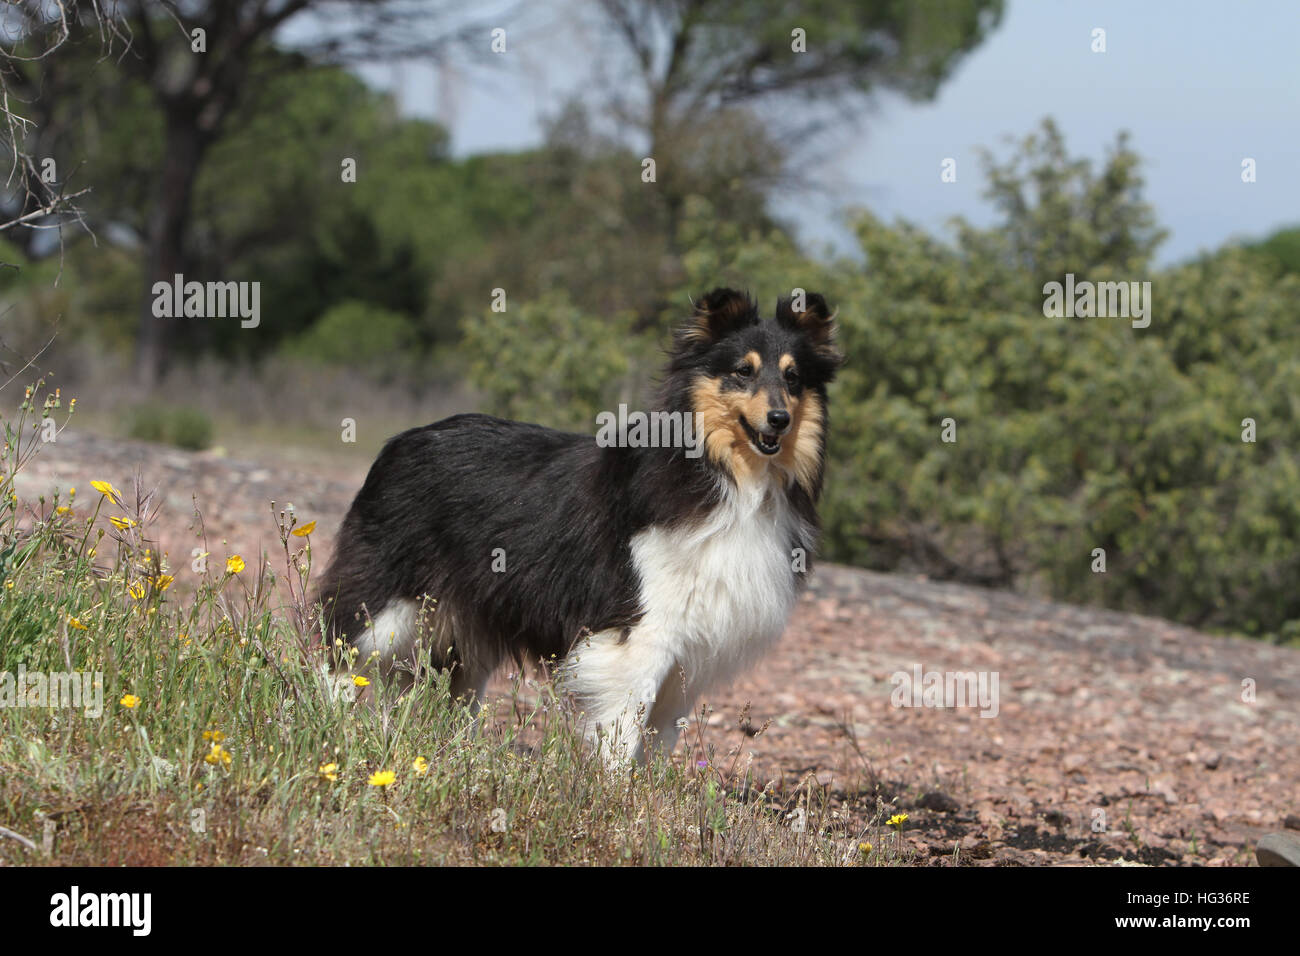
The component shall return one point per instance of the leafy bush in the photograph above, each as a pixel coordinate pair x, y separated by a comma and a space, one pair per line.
1071, 434
148, 423
547, 361
191, 429
1280, 251
182, 426
358, 334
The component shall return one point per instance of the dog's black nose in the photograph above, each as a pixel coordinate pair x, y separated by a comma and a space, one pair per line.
778, 418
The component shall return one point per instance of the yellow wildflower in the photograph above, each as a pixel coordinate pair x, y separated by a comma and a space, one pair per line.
218, 755
305, 530
76, 622
106, 489
130, 702
359, 681
896, 820
384, 778
420, 766
121, 524
234, 564
328, 771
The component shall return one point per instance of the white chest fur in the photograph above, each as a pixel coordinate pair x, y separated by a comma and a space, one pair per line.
717, 594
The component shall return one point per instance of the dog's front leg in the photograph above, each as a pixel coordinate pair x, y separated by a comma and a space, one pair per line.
616, 677
671, 709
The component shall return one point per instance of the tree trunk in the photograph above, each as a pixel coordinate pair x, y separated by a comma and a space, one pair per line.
184, 145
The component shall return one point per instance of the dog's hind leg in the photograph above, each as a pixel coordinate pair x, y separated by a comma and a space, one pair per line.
387, 644
469, 680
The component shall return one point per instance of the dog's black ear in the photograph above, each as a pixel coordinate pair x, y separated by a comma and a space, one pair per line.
808, 314
717, 314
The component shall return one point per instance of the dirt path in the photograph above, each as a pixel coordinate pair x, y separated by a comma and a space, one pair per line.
1116, 736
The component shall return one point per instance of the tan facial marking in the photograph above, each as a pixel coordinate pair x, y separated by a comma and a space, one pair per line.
800, 454
727, 443
754, 359
725, 439
786, 362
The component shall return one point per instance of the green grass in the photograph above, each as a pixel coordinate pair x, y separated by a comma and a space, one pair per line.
225, 756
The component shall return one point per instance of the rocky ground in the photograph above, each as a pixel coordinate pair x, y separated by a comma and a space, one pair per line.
1116, 737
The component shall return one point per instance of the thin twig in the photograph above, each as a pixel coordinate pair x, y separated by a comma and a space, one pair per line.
6, 832
30, 362
53, 206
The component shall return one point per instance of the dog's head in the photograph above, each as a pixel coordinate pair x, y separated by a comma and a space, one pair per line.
759, 385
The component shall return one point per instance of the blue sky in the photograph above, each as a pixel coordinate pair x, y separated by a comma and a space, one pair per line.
1200, 85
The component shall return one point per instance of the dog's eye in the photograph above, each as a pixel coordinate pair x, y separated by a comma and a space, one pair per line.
745, 371
792, 378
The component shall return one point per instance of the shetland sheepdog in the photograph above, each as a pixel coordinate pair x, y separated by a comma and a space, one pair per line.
644, 574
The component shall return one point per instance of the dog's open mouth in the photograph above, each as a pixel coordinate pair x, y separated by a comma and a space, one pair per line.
769, 443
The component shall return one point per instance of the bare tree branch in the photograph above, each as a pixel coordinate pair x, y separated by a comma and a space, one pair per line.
59, 205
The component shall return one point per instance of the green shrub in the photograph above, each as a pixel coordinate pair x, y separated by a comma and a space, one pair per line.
182, 426
547, 361
147, 423
1280, 251
1071, 434
190, 429
358, 334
